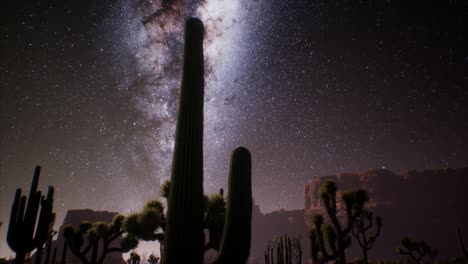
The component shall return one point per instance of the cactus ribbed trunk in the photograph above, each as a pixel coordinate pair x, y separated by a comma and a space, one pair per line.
235, 246
54, 256
64, 253
184, 238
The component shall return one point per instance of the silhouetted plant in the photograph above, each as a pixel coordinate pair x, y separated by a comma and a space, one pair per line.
63, 258
462, 245
214, 220
166, 186
335, 235
49, 246
134, 258
54, 256
415, 250
137, 226
287, 250
24, 235
363, 222
153, 259
235, 244
184, 237
187, 206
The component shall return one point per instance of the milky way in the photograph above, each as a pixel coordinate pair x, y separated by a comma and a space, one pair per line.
152, 33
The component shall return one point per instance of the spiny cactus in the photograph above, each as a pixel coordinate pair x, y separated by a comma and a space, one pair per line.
288, 251
184, 238
415, 250
363, 222
235, 245
336, 235
21, 237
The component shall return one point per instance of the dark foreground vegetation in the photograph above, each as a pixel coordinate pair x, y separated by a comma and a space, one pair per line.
180, 229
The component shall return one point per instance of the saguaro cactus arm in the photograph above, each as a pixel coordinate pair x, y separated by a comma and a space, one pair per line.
235, 245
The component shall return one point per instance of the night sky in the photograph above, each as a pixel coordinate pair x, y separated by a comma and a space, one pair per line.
89, 91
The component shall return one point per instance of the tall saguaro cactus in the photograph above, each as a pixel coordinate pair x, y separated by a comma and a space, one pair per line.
23, 234
184, 238
235, 245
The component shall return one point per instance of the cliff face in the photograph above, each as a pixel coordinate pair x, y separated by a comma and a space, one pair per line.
74, 218
266, 227
424, 205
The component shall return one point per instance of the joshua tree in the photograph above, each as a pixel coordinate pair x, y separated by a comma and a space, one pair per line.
288, 251
214, 220
153, 259
337, 236
143, 225
363, 222
134, 258
415, 250
24, 235
165, 189
94, 233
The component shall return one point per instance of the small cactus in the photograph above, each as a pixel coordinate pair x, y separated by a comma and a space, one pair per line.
21, 237
288, 251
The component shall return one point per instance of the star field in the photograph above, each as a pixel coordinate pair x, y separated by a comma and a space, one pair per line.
89, 91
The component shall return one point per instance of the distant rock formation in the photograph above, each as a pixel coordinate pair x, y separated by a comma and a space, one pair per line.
266, 227
74, 218
424, 205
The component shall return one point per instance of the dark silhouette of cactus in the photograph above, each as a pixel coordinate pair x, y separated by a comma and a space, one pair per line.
153, 259
63, 258
134, 258
184, 238
49, 246
462, 245
288, 251
363, 222
415, 250
335, 235
235, 245
54, 256
23, 234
